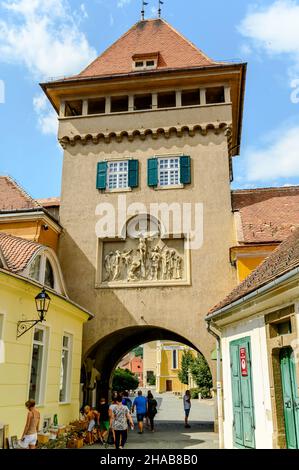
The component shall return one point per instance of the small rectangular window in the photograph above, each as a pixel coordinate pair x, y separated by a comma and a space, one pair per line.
119, 104
215, 95
65, 369
142, 102
190, 97
96, 106
139, 64
169, 171
175, 359
38, 365
73, 108
167, 100
118, 175
150, 63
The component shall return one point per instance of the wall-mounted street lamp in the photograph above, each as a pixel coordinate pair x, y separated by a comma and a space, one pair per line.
42, 301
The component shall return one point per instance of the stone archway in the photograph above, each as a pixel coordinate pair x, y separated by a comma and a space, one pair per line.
108, 351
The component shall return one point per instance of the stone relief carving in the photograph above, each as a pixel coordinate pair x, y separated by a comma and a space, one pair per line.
150, 260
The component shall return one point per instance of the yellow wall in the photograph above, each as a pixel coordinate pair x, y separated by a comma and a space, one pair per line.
167, 373
32, 230
17, 303
250, 257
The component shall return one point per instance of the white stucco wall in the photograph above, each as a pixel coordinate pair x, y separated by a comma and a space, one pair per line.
255, 329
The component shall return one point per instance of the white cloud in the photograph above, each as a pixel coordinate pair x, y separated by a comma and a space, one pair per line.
47, 118
123, 3
274, 29
44, 36
279, 159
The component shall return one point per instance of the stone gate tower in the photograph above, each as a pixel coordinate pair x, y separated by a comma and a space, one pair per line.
152, 120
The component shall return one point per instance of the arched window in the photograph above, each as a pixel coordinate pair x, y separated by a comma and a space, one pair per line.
44, 269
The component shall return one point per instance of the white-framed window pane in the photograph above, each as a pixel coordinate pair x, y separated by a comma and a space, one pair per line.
118, 175
65, 369
2, 347
34, 270
169, 171
37, 365
49, 275
174, 359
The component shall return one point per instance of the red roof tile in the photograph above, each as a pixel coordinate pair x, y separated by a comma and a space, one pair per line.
49, 202
17, 252
284, 259
267, 214
148, 37
13, 197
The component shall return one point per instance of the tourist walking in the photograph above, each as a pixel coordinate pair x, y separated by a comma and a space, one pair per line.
104, 420
120, 416
140, 403
127, 401
89, 416
187, 407
29, 437
151, 409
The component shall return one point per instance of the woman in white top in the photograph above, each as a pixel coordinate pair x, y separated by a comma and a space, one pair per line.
120, 416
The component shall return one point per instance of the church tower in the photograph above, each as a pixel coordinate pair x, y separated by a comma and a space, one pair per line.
152, 124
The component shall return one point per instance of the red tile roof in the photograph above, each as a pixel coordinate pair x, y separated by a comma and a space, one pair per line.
148, 37
49, 202
284, 259
17, 252
13, 197
267, 214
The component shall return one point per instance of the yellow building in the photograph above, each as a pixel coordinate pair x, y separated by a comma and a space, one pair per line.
44, 363
23, 216
163, 359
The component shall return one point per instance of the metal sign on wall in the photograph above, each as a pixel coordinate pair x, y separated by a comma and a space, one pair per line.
243, 360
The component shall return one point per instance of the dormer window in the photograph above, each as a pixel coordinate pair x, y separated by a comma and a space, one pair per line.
145, 61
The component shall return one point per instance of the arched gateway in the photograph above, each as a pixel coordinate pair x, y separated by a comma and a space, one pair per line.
149, 128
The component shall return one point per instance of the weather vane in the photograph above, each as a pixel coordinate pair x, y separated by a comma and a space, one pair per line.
143, 9
159, 9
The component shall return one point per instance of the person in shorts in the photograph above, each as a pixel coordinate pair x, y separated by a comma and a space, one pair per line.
187, 407
140, 403
90, 419
104, 419
29, 437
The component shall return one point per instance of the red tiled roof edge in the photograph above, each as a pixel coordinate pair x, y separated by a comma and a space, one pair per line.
11, 184
283, 260
17, 252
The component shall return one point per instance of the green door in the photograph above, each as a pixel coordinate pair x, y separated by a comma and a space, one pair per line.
242, 396
290, 397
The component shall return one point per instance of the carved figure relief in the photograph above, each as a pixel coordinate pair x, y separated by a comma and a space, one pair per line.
150, 260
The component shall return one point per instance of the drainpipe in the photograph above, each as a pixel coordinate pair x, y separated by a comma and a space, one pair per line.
219, 386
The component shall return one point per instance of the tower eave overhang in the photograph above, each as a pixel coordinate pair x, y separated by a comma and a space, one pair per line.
55, 89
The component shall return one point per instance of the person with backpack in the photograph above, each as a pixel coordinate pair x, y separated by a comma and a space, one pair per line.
151, 409
120, 416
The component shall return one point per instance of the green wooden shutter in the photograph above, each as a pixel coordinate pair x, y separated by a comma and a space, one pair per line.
133, 173
290, 397
236, 395
102, 175
185, 170
242, 396
152, 172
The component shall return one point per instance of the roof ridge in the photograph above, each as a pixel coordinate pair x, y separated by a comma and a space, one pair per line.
188, 41
14, 182
110, 47
267, 188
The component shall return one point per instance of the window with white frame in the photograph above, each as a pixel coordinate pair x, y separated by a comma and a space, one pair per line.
117, 176
175, 359
41, 270
2, 351
169, 171
38, 365
65, 371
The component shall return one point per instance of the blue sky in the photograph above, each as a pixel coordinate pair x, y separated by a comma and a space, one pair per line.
50, 38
